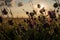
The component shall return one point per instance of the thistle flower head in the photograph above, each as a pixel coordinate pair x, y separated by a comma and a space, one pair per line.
52, 14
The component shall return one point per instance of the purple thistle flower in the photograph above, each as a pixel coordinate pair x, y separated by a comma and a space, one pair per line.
52, 14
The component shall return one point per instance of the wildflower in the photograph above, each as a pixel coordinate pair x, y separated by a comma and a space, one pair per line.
52, 14
4, 12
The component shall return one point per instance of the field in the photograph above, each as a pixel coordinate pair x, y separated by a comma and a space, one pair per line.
22, 30
45, 26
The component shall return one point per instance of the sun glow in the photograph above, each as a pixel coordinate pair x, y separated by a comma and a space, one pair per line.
42, 6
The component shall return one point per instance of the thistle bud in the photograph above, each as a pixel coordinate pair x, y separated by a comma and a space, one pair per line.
38, 5
27, 12
57, 11
34, 12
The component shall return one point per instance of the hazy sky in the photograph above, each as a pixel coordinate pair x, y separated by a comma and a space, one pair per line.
17, 11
